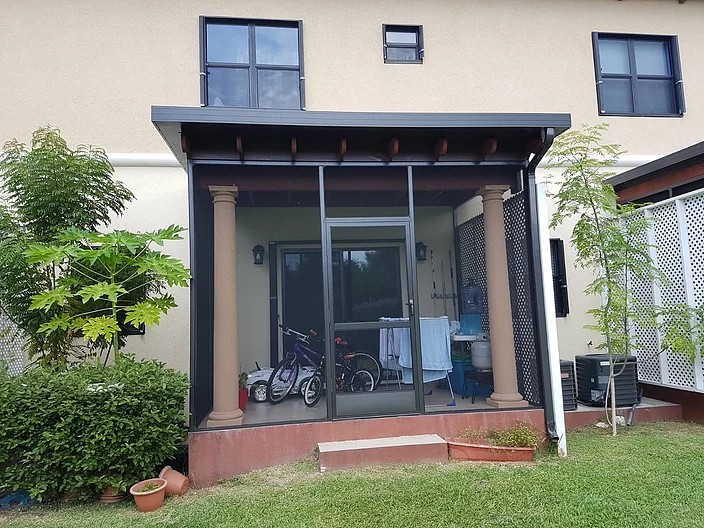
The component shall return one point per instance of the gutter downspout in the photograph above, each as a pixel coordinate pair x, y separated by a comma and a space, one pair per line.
548, 355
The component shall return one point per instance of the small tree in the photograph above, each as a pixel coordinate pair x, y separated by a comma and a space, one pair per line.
45, 188
608, 238
94, 297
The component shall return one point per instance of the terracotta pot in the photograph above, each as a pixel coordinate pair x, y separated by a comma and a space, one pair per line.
112, 495
148, 501
244, 398
464, 450
177, 483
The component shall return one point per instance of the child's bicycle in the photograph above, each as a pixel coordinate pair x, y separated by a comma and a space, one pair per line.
354, 371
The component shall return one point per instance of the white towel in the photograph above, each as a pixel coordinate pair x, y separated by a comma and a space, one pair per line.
434, 346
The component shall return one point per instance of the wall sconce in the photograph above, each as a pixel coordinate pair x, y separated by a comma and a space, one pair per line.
258, 254
421, 251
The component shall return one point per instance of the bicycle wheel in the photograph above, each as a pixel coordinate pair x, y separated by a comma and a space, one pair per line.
364, 361
282, 380
313, 390
362, 381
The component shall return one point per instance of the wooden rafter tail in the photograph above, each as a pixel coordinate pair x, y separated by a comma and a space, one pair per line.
238, 146
393, 148
294, 148
440, 148
343, 148
185, 144
489, 147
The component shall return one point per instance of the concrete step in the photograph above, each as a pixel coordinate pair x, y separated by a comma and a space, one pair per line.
376, 451
649, 410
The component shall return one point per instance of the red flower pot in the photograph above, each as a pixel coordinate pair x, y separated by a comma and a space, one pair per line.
465, 450
244, 398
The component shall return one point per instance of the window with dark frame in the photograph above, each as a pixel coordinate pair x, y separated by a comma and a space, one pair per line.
559, 277
403, 44
251, 63
638, 75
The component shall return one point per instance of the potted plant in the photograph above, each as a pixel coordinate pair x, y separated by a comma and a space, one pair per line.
515, 444
149, 494
244, 394
112, 495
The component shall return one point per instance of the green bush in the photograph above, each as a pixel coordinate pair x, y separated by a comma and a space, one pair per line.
521, 434
89, 427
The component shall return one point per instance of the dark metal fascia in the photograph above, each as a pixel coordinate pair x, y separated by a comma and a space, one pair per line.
264, 117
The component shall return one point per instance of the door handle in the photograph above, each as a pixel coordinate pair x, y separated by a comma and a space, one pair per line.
410, 307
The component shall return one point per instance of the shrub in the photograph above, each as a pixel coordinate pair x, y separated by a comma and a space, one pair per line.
89, 427
522, 434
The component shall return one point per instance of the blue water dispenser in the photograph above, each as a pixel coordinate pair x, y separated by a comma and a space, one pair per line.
471, 310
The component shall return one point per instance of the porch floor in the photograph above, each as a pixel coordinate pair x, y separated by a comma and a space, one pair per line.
292, 409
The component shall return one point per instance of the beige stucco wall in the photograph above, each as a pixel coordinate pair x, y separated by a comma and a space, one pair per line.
94, 67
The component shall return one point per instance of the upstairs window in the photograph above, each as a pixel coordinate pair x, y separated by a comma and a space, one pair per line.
638, 75
403, 44
254, 64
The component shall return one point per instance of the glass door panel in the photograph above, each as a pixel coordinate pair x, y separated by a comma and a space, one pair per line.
373, 319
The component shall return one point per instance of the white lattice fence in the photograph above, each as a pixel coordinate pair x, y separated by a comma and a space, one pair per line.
677, 237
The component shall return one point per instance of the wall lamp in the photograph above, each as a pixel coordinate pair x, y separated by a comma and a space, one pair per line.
421, 252
258, 254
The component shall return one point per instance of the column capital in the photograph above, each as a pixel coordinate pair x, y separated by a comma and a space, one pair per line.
224, 193
489, 192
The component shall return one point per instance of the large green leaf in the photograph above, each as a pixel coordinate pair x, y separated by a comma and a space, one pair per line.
97, 327
100, 290
50, 298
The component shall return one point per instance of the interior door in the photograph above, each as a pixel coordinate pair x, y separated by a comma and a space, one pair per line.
370, 309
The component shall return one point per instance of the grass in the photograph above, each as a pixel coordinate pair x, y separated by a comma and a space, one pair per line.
650, 475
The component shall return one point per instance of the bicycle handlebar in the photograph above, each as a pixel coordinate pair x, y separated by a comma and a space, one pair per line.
291, 331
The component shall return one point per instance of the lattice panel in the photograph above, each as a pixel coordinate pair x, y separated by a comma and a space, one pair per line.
522, 305
470, 236
645, 339
669, 253
694, 217
11, 343
680, 371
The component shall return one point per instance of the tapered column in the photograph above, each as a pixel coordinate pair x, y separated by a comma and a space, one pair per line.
226, 410
503, 352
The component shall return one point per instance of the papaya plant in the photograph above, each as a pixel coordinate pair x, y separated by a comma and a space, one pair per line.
46, 187
106, 281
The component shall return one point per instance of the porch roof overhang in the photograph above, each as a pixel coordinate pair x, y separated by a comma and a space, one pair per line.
296, 137
453, 155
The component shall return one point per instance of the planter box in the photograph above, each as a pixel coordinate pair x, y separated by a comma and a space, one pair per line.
464, 450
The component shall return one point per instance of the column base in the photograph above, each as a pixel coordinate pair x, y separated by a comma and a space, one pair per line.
503, 404
224, 419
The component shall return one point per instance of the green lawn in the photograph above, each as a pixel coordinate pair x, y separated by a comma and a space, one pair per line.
651, 475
